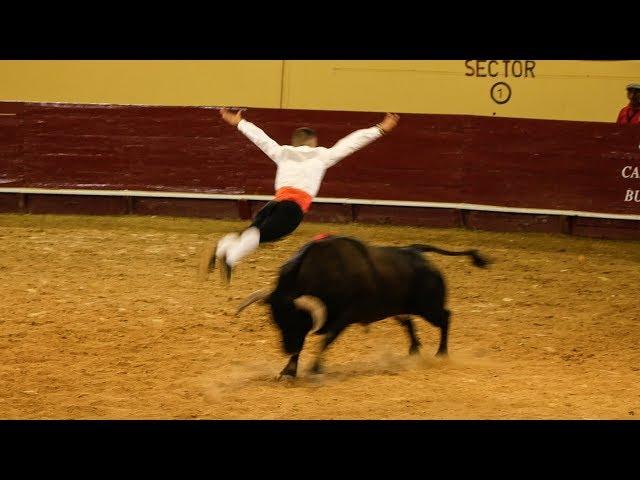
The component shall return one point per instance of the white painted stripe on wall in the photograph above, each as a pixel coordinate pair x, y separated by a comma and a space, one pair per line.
351, 201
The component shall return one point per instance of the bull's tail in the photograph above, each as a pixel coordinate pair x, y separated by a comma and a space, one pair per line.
478, 260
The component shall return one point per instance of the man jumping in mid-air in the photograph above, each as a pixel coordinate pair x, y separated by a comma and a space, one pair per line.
300, 169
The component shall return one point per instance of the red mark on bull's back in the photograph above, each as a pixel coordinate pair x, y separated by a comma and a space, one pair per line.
321, 236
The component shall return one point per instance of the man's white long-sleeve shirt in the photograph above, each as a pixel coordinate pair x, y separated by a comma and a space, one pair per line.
304, 167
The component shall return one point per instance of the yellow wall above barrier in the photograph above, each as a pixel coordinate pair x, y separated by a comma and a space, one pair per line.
545, 89
146, 82
560, 90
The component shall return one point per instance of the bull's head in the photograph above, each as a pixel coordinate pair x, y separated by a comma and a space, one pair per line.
291, 317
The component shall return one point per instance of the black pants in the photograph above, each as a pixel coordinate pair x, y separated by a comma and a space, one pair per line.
277, 219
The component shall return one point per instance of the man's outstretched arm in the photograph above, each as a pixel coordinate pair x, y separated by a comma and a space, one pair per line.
361, 138
269, 146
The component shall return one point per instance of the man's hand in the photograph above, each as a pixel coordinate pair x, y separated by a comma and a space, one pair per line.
231, 118
389, 123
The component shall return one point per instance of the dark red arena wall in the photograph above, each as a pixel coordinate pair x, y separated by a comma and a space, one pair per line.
537, 164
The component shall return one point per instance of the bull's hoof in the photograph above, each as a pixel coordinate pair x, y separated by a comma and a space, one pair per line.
317, 369
286, 377
415, 350
442, 354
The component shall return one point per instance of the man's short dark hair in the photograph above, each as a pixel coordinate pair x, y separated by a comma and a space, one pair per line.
301, 135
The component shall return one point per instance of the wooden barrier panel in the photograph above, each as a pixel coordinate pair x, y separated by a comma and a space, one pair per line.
521, 163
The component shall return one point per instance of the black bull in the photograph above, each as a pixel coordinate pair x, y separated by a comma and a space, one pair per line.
338, 281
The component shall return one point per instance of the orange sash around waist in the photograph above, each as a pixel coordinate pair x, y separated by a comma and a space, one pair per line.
303, 199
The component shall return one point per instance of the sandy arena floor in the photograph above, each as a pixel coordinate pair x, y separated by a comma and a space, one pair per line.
103, 317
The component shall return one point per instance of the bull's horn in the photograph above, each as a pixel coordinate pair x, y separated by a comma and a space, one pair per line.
316, 309
257, 296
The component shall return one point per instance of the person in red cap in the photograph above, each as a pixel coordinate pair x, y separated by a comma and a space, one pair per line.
300, 169
630, 115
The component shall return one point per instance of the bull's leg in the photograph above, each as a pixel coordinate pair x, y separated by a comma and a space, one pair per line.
328, 339
406, 321
291, 369
440, 318
444, 333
